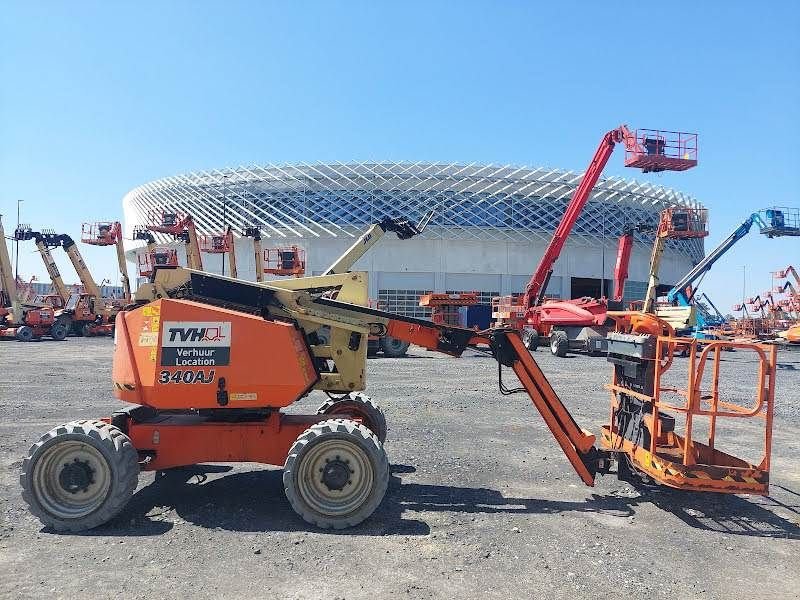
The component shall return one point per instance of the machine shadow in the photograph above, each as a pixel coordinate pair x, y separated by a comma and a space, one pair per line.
728, 514
254, 501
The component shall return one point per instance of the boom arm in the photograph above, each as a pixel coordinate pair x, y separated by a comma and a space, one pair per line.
52, 270
623, 260
121, 262
44, 241
85, 276
534, 292
678, 292
8, 284
372, 236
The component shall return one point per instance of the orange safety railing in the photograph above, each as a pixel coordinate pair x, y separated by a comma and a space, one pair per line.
160, 257
680, 222
285, 261
658, 150
217, 243
104, 233
712, 468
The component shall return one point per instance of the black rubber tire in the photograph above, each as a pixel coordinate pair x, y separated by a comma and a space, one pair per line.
120, 457
58, 331
530, 337
24, 334
359, 405
393, 348
86, 330
559, 344
307, 449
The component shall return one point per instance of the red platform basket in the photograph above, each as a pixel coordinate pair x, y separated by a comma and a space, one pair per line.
103, 233
285, 261
679, 222
160, 257
165, 221
218, 243
654, 150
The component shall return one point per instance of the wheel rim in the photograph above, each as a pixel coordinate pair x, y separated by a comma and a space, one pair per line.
335, 477
395, 344
72, 479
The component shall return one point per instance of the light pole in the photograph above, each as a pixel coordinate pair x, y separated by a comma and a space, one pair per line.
224, 214
603, 256
16, 246
744, 282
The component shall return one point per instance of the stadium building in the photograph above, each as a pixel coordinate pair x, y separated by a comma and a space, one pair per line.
489, 228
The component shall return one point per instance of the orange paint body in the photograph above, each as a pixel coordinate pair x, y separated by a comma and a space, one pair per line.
178, 354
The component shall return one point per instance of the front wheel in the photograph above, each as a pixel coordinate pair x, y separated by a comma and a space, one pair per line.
79, 475
530, 337
58, 331
393, 348
336, 474
25, 334
559, 344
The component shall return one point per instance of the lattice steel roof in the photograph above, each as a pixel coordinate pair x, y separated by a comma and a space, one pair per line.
474, 201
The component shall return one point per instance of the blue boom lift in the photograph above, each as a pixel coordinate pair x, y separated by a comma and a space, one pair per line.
772, 222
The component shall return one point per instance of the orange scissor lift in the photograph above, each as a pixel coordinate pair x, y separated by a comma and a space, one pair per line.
446, 308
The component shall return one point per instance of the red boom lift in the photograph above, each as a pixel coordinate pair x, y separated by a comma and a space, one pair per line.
566, 321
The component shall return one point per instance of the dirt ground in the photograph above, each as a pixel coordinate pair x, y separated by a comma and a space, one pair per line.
481, 504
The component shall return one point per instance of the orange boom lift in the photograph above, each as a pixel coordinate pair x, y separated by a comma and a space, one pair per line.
206, 367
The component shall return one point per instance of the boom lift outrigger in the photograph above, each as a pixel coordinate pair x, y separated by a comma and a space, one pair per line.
207, 366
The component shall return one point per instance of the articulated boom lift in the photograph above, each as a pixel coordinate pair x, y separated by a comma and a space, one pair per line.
772, 222
85, 312
180, 227
576, 322
23, 321
207, 367
108, 233
675, 223
154, 255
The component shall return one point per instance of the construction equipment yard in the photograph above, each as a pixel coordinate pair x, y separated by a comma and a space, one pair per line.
509, 520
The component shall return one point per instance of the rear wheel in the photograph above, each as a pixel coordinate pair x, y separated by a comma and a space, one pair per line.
336, 474
79, 475
559, 344
393, 348
58, 331
25, 334
86, 330
530, 337
358, 405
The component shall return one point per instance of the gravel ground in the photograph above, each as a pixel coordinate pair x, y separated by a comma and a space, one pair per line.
481, 502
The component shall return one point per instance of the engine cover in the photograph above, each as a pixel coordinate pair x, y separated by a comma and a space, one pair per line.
180, 354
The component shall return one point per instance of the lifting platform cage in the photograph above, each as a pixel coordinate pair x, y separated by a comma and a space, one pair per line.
159, 257
165, 221
447, 308
679, 222
780, 221
508, 311
102, 233
648, 412
655, 150
216, 243
285, 261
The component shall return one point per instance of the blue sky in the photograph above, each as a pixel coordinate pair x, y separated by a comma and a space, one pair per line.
97, 98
